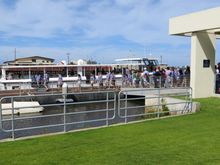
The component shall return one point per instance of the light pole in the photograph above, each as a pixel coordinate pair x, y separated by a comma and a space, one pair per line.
68, 58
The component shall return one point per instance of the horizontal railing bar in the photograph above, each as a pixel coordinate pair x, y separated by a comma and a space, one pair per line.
57, 125
156, 112
54, 94
59, 114
155, 105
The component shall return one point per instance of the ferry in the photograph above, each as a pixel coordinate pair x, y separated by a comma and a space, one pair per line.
139, 63
21, 76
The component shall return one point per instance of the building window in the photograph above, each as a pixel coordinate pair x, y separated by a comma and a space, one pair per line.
33, 60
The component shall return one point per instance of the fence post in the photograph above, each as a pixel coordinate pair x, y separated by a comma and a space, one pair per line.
191, 102
119, 105
126, 106
115, 99
64, 112
12, 119
1, 126
64, 92
107, 106
158, 103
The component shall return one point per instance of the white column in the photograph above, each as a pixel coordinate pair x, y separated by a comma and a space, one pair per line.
79, 70
3, 74
29, 73
202, 79
67, 71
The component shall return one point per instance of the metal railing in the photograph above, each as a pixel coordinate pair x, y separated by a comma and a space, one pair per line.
73, 111
156, 103
63, 112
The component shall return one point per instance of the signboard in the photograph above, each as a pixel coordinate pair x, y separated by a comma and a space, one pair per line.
206, 63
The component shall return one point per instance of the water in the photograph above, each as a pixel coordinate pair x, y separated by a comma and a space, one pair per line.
76, 121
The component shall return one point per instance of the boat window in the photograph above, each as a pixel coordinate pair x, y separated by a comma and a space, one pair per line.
153, 62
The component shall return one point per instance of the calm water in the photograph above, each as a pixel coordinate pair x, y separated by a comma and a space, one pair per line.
76, 118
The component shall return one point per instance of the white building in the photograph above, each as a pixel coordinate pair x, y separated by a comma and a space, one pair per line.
204, 28
32, 60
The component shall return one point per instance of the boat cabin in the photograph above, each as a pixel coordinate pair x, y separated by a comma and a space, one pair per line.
139, 63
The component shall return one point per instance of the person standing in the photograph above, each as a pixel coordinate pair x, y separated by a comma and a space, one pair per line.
108, 77
168, 78
79, 79
100, 80
92, 79
60, 81
187, 76
46, 81
112, 79
180, 82
38, 79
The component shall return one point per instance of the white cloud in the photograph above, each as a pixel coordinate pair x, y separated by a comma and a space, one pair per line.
144, 23
42, 18
138, 21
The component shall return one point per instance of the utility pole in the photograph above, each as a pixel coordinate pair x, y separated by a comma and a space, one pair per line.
68, 58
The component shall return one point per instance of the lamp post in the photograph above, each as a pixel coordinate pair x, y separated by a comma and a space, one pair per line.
68, 58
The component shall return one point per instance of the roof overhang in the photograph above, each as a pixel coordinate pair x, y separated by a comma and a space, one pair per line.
207, 21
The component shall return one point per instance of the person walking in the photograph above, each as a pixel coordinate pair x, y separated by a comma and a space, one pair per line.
60, 81
46, 81
100, 80
79, 79
92, 79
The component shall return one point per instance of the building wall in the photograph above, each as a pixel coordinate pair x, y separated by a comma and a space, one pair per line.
33, 61
198, 21
202, 78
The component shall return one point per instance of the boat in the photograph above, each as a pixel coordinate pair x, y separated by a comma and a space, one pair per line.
61, 100
139, 63
21, 76
21, 107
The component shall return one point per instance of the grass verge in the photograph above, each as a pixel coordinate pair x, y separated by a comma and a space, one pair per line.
192, 139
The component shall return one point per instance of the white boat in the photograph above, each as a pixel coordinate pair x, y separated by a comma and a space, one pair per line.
21, 76
21, 107
139, 63
61, 100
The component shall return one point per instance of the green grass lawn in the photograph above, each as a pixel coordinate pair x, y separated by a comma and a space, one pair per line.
191, 139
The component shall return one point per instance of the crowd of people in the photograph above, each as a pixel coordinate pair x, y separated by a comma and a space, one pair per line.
39, 80
168, 77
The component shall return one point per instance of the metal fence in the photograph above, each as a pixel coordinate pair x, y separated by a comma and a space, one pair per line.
156, 103
30, 115
60, 111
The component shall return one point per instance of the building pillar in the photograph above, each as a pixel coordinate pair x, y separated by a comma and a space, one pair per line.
80, 70
29, 73
202, 77
3, 74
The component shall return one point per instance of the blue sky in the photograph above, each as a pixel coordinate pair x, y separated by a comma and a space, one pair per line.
102, 30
